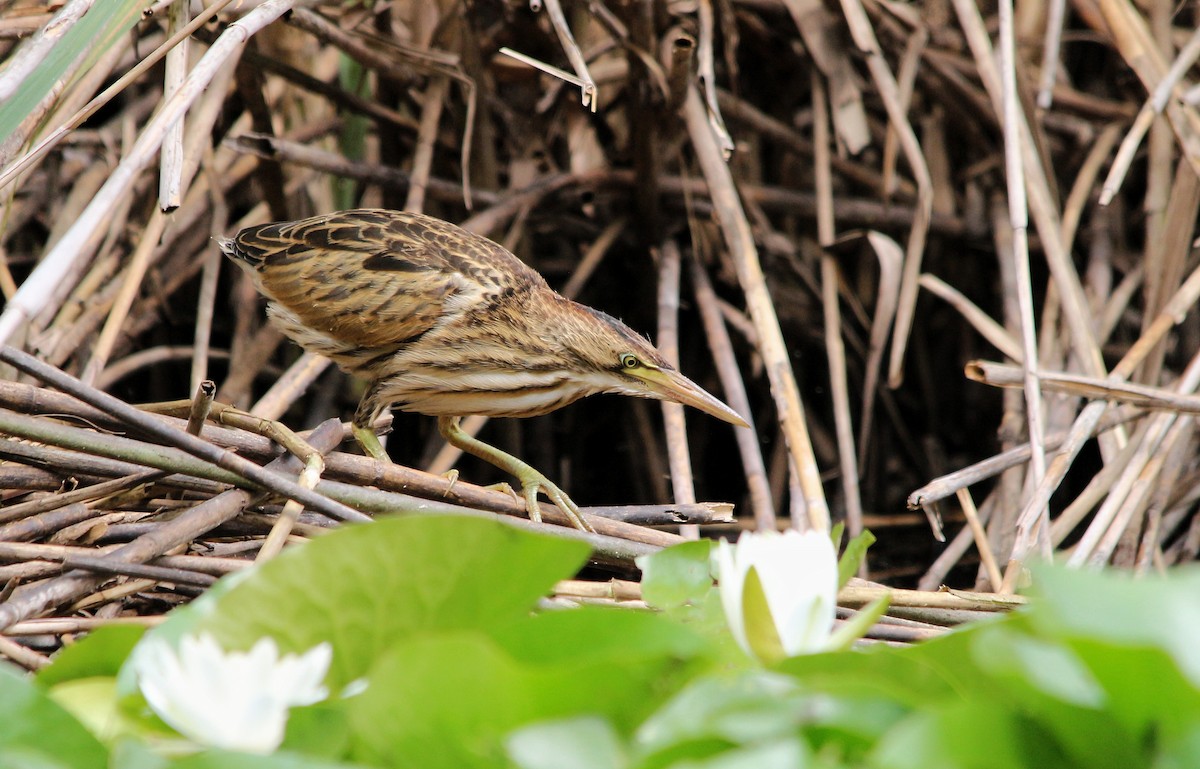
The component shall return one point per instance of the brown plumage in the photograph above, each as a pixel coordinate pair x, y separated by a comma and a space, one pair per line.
444, 322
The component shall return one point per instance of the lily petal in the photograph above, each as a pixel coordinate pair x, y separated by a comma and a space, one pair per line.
796, 574
235, 700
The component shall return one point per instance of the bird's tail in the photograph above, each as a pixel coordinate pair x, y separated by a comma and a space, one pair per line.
239, 255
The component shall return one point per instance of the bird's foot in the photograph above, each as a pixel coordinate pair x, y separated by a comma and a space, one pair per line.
505, 488
451, 477
532, 481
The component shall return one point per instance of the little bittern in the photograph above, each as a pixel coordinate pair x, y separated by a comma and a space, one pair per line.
444, 322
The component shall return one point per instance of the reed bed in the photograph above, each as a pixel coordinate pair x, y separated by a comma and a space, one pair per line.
941, 254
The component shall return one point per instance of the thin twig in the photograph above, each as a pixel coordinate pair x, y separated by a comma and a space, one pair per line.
741, 244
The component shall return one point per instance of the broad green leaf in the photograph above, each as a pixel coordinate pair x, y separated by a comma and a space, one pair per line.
620, 662
222, 759
577, 743
1101, 606
788, 753
450, 700
129, 753
1045, 667
602, 634
444, 701
677, 575
36, 732
718, 712
921, 675
1180, 751
1047, 684
94, 702
364, 588
318, 731
707, 618
750, 706
968, 735
99, 653
132, 754
1170, 706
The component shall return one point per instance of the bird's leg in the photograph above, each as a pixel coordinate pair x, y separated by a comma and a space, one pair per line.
362, 427
369, 441
531, 480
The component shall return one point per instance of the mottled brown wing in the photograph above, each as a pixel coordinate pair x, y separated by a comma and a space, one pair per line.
376, 278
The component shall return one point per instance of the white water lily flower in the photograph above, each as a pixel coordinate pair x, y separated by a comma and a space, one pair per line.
779, 592
231, 700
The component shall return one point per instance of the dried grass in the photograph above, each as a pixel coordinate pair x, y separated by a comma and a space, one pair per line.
809, 170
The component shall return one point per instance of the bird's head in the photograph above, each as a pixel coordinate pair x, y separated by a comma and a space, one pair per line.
624, 361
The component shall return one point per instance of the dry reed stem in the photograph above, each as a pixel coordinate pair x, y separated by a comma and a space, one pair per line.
1051, 48
22, 655
431, 113
348, 468
195, 522
180, 439
946, 485
78, 117
683, 489
1158, 427
58, 271
864, 37
1142, 396
981, 541
906, 82
819, 29
1016, 206
1136, 45
706, 76
1172, 314
835, 348
935, 576
734, 389
989, 329
171, 171
741, 244
1045, 213
1167, 258
207, 296
890, 256
290, 386
559, 21
566, 184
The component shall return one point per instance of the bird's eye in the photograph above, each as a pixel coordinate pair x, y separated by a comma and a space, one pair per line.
629, 360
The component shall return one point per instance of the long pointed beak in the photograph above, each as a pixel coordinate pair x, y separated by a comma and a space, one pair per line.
673, 386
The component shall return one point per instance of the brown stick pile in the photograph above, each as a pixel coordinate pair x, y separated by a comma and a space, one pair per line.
823, 212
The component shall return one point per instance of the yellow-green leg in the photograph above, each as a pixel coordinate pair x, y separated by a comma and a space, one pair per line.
369, 441
531, 480
368, 412
373, 448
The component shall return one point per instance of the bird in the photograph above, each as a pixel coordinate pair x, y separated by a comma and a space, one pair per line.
444, 322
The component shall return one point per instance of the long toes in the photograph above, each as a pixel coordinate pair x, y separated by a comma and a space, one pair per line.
531, 484
568, 506
506, 489
531, 503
